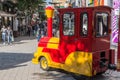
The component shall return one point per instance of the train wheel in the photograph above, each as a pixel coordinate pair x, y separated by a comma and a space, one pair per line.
80, 77
44, 64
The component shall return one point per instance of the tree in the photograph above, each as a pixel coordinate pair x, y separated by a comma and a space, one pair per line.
28, 4
26, 8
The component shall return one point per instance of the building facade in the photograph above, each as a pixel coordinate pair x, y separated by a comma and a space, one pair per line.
60, 3
88, 3
7, 13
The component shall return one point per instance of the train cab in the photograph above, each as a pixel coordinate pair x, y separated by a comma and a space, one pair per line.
81, 44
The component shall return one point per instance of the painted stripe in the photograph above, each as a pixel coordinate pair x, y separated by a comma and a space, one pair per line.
43, 42
115, 37
114, 31
53, 40
53, 43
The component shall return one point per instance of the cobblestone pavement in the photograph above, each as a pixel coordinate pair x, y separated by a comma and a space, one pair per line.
15, 64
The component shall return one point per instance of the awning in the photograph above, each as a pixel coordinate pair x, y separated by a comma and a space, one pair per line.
5, 14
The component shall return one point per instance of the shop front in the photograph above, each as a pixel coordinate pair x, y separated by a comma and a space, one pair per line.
6, 19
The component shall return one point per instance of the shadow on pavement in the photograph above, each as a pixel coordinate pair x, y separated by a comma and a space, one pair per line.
12, 60
61, 75
52, 75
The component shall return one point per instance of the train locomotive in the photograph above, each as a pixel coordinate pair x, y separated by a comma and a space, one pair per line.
82, 45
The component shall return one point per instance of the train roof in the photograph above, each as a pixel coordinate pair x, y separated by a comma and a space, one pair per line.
92, 8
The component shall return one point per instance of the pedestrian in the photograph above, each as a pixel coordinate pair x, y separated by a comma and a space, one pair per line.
42, 29
38, 34
29, 30
4, 31
33, 30
54, 29
9, 35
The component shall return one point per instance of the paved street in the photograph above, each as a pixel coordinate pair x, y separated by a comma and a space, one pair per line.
15, 64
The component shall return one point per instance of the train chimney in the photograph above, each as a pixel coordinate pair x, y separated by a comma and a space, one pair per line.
49, 13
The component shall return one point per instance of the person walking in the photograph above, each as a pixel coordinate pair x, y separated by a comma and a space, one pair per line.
38, 35
42, 29
9, 35
4, 31
29, 30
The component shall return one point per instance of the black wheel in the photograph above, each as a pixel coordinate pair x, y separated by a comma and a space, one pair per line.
44, 64
101, 73
80, 77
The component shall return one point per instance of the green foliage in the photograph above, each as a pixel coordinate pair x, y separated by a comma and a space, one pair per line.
28, 7
28, 4
43, 17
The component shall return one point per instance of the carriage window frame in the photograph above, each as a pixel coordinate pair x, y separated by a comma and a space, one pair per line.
56, 23
84, 23
103, 24
70, 24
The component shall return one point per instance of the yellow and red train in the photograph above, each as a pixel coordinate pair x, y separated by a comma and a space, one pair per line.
83, 45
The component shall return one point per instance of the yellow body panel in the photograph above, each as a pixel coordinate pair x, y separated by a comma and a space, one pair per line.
35, 60
39, 54
53, 43
80, 63
76, 62
54, 40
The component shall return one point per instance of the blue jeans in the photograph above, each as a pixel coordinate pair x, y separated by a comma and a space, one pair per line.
38, 37
9, 39
4, 37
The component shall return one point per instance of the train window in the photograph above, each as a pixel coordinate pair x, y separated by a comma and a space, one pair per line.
55, 29
68, 24
101, 24
84, 24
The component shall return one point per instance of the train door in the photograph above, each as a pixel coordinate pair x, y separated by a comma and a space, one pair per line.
68, 25
68, 34
84, 29
101, 37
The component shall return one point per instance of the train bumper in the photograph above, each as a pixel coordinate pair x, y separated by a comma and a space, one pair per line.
35, 59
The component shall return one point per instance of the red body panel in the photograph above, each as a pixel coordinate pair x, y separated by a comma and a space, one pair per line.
119, 40
43, 42
118, 58
112, 56
97, 56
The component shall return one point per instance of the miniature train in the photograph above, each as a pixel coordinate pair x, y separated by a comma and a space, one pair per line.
83, 45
